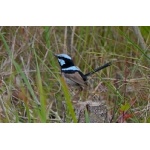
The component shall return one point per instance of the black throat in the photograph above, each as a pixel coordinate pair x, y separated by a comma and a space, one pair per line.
68, 63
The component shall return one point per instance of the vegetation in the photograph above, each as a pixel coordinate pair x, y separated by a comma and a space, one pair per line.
31, 89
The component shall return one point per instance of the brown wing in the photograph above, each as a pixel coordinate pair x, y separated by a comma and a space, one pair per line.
75, 77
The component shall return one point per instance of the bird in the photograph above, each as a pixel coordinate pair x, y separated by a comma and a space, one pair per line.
73, 76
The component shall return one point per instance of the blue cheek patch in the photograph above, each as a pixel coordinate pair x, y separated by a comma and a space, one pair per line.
62, 62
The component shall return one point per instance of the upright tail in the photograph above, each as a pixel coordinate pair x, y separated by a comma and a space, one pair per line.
98, 69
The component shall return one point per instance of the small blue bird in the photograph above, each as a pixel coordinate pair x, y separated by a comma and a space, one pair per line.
72, 74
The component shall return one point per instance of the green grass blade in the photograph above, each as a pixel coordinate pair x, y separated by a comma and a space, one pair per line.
68, 100
41, 92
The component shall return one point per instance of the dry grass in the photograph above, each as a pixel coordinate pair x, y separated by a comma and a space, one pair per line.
30, 86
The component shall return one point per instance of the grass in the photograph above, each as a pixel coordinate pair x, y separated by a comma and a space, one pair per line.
31, 89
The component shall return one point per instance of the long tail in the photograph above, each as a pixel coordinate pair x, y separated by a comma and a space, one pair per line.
98, 69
